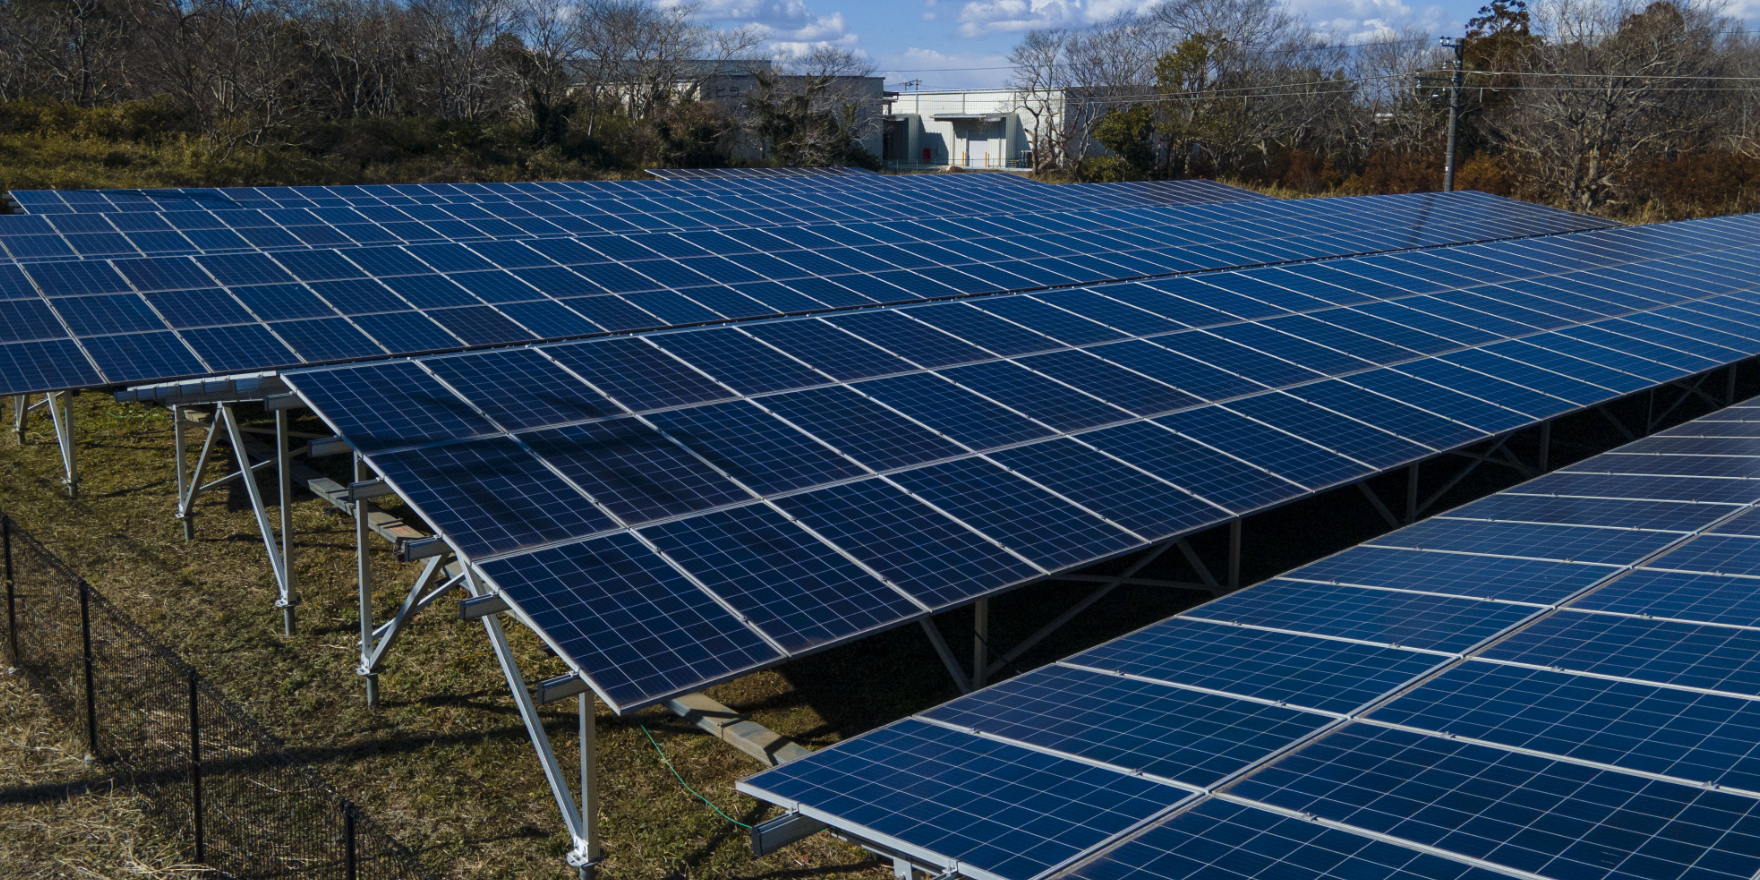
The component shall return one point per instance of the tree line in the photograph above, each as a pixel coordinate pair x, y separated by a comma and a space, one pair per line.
154, 92
1614, 106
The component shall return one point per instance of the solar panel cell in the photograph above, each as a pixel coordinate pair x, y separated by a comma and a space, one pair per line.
625, 617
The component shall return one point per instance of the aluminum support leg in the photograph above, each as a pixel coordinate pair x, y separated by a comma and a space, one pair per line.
363, 569
1544, 459
589, 782
1729, 386
585, 851
186, 502
1412, 493
61, 413
980, 642
20, 405
284, 467
1234, 555
180, 465
277, 564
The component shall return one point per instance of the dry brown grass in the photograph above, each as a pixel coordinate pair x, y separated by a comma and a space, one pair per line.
58, 817
445, 764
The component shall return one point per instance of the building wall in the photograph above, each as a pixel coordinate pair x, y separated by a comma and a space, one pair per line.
969, 129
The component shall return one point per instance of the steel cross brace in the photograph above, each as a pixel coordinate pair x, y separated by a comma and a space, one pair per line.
279, 557
1477, 459
1688, 392
375, 641
1107, 586
585, 853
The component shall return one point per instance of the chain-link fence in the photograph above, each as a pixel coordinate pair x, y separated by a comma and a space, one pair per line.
242, 804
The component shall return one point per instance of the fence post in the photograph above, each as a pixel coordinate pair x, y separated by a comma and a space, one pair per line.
11, 591
195, 769
85, 634
348, 857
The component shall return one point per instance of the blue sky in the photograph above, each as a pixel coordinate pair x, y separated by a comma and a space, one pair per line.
948, 43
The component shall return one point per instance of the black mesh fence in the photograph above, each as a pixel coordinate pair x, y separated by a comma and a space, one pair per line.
229, 790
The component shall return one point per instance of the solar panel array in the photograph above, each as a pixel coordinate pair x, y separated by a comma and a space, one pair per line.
1561, 680
94, 322
904, 196
203, 227
745, 173
679, 508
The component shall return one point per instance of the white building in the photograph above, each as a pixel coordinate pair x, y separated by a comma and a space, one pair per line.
987, 128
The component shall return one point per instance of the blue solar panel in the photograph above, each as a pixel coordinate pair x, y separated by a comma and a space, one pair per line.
1120, 493
1483, 577
1023, 813
1219, 840
782, 580
1714, 658
1182, 735
1670, 732
624, 617
1514, 810
1412, 620
1034, 523
755, 447
1559, 543
934, 559
860, 428
1288, 456
1307, 671
1204, 472
491, 496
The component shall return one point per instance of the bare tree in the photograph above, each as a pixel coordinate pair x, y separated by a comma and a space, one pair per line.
1039, 82
1610, 86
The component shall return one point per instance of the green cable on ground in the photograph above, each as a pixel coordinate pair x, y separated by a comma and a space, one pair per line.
687, 786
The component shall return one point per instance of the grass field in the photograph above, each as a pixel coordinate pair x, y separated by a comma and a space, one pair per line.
445, 764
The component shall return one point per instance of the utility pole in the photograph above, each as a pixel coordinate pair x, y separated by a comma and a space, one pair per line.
1454, 108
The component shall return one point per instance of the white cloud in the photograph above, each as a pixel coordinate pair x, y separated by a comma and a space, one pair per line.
981, 18
942, 70
790, 26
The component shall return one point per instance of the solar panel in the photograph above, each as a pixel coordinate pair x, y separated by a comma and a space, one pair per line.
1400, 712
482, 292
1007, 469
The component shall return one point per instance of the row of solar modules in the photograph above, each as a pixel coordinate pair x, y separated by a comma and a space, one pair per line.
28, 238
1562, 680
107, 201
904, 460
35, 237
122, 200
742, 173
910, 193
96, 322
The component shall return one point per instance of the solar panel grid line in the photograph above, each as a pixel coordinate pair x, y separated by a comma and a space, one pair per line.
1400, 842
1062, 754
294, 241
1068, 663
1588, 590
1295, 576
1180, 331
978, 453
1221, 791
1563, 759
122, 200
687, 571
528, 330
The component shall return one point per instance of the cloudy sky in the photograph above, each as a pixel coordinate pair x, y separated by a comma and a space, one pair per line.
951, 44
